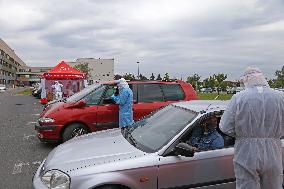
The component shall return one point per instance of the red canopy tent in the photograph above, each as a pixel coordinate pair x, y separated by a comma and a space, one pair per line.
64, 71
71, 78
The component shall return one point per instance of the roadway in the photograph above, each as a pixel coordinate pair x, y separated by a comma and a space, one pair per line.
20, 150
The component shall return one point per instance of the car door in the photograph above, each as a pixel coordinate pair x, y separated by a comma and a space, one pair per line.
149, 98
108, 111
88, 114
210, 169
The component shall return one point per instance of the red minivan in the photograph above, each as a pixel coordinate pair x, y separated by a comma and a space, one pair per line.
92, 109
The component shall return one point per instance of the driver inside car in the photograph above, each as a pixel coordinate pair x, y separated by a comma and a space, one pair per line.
206, 136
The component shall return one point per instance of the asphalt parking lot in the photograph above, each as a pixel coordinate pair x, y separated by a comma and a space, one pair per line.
20, 150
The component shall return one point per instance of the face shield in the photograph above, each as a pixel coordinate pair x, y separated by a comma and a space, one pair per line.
122, 83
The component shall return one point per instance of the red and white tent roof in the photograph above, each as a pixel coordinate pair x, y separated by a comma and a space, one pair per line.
64, 71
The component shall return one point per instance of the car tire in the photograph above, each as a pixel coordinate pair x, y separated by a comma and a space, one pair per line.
73, 130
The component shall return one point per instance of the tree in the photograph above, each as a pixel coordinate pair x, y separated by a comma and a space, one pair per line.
142, 77
129, 76
212, 81
194, 80
280, 77
275, 83
117, 77
152, 77
159, 77
84, 67
219, 78
166, 77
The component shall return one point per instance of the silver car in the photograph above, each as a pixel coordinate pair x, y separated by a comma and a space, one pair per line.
153, 155
2, 87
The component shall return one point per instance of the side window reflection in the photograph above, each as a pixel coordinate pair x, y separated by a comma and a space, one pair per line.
94, 97
107, 96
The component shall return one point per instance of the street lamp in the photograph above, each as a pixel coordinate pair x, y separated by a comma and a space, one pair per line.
138, 70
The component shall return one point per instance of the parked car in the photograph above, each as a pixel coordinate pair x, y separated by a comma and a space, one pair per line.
2, 87
206, 90
20, 84
234, 90
152, 155
279, 89
37, 93
92, 109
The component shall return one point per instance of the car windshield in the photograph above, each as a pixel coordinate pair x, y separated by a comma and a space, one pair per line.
153, 132
78, 96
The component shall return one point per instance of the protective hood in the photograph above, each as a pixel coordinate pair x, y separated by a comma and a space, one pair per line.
253, 77
122, 83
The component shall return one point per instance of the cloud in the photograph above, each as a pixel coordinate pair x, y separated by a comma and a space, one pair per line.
180, 37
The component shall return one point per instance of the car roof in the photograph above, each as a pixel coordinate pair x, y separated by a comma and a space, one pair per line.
148, 81
203, 105
163, 82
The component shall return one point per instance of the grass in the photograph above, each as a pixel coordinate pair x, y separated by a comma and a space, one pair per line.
212, 96
25, 92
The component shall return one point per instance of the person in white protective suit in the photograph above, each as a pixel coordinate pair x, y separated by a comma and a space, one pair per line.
255, 117
57, 90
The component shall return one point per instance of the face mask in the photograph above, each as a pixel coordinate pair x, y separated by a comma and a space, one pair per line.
211, 127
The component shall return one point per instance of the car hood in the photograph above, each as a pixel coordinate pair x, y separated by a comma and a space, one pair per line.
92, 149
52, 107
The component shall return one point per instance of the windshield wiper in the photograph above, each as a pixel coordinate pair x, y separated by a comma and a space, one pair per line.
130, 138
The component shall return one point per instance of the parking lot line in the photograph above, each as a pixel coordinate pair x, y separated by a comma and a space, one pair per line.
31, 122
27, 137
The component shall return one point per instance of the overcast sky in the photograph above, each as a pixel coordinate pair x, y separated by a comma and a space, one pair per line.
181, 37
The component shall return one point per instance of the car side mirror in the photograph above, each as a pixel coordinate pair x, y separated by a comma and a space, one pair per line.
80, 104
184, 149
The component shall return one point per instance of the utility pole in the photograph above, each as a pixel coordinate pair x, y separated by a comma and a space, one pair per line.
138, 71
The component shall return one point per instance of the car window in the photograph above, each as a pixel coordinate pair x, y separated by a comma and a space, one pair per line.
134, 89
172, 92
156, 130
94, 97
202, 139
149, 93
80, 95
108, 93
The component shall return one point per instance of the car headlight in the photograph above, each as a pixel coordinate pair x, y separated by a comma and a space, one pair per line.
55, 179
46, 120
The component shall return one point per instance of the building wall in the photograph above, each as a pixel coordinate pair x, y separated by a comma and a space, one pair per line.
29, 75
9, 64
101, 69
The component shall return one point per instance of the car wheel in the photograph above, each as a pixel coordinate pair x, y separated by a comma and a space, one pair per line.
74, 130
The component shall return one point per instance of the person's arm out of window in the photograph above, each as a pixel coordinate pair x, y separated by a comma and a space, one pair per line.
227, 123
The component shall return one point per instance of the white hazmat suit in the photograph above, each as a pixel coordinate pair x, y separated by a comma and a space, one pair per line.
57, 90
255, 117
